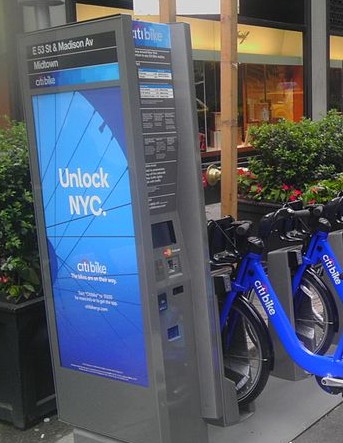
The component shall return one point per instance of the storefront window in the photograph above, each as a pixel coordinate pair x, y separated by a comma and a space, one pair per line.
266, 93
336, 73
207, 86
336, 89
270, 80
270, 74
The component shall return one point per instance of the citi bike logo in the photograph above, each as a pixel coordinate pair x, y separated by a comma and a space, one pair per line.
330, 266
262, 291
90, 267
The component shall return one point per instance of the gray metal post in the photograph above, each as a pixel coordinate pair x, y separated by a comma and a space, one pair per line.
280, 277
319, 58
42, 13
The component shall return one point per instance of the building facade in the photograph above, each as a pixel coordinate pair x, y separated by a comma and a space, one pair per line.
290, 57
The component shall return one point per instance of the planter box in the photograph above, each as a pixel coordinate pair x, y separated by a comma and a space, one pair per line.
26, 381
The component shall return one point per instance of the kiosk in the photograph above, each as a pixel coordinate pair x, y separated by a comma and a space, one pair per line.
132, 315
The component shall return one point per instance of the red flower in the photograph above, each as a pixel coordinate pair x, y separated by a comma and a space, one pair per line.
297, 192
285, 187
292, 198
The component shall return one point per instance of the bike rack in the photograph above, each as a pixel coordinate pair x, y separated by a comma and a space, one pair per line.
234, 414
280, 277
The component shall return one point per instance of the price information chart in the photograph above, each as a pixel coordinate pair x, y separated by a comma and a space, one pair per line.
153, 59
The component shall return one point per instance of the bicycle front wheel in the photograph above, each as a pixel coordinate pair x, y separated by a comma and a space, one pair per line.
315, 313
247, 350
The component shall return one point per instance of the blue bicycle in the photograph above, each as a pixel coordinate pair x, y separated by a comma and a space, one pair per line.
248, 353
315, 311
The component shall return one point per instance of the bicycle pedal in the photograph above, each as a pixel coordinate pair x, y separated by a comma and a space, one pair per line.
332, 382
331, 385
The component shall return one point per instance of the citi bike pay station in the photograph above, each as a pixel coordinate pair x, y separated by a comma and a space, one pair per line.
132, 316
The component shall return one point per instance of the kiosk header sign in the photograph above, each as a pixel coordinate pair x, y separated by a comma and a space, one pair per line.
75, 61
79, 127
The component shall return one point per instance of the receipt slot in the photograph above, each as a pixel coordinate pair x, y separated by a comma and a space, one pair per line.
118, 199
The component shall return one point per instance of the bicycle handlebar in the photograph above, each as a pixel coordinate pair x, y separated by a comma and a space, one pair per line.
289, 221
230, 239
333, 210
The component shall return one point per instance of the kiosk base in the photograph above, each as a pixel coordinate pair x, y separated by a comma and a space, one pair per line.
284, 410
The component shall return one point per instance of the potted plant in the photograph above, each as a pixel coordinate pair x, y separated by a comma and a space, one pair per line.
26, 383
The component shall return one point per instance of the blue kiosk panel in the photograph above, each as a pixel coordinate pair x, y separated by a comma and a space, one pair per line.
89, 227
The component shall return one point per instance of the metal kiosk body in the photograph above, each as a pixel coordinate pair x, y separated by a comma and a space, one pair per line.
118, 198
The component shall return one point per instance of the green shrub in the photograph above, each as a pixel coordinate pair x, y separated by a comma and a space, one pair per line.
19, 260
303, 159
330, 135
288, 152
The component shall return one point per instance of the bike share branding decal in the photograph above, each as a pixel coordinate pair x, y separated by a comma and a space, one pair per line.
147, 34
330, 266
263, 292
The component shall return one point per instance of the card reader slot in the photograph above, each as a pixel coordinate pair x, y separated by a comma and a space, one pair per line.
178, 290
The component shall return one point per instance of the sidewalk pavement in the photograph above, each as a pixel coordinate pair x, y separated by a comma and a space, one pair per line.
329, 429
49, 430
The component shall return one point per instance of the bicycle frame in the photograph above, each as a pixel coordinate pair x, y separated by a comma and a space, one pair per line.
320, 251
251, 275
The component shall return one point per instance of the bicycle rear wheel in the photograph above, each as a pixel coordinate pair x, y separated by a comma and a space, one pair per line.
247, 350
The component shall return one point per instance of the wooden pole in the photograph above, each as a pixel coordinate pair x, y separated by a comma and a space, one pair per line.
229, 87
167, 11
